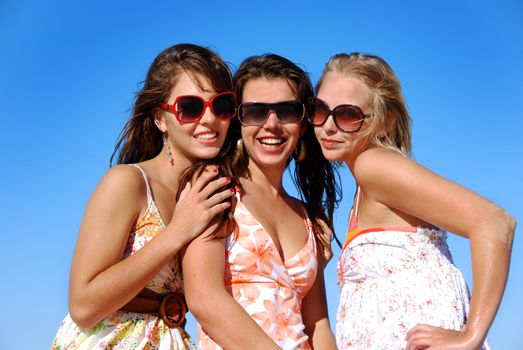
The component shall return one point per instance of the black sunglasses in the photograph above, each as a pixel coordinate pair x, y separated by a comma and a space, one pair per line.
347, 118
190, 109
256, 113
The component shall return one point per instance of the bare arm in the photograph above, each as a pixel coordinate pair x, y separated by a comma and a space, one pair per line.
216, 310
402, 184
101, 281
315, 313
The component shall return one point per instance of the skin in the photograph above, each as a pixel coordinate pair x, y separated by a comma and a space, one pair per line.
102, 281
203, 263
411, 195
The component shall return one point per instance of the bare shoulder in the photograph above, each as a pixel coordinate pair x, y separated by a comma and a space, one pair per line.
378, 163
124, 177
123, 184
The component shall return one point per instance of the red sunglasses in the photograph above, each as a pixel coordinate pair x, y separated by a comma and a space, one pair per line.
190, 109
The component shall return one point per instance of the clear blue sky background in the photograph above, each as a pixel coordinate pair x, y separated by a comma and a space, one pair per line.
68, 71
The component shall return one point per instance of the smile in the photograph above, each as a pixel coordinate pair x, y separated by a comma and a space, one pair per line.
207, 137
272, 143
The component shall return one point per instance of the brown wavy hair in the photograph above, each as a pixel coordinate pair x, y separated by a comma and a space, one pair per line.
140, 138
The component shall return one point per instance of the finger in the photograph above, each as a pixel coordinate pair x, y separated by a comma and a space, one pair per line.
185, 191
204, 178
218, 208
420, 327
214, 186
326, 229
219, 197
418, 342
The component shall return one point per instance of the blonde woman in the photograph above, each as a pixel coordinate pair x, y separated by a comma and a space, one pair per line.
399, 287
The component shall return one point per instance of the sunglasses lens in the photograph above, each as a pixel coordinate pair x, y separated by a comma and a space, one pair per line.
189, 108
289, 111
253, 113
224, 106
317, 111
348, 118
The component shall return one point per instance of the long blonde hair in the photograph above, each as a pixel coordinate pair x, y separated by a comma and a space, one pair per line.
390, 125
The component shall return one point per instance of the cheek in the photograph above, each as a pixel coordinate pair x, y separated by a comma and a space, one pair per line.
224, 127
317, 131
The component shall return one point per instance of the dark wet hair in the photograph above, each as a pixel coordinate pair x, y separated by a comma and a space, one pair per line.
314, 176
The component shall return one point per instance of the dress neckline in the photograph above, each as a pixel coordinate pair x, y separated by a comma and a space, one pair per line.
308, 227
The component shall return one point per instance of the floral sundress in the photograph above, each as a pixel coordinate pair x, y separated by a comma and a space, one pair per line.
393, 278
129, 330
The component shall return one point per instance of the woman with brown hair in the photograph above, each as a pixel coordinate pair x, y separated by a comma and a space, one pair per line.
126, 287
269, 293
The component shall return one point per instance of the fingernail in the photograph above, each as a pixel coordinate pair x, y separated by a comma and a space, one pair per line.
228, 178
231, 189
215, 170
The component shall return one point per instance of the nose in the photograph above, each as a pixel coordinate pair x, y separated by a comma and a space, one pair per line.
208, 116
272, 120
329, 125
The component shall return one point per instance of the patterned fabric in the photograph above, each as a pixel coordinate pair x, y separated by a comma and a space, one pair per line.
269, 289
392, 279
129, 330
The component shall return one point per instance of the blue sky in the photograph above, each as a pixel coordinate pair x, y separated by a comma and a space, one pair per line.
68, 72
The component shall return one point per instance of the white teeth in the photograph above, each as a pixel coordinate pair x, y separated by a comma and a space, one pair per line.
271, 141
206, 136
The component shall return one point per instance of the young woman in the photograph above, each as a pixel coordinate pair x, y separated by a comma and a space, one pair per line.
269, 293
126, 288
399, 287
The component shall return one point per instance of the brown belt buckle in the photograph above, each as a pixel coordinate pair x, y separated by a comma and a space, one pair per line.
173, 310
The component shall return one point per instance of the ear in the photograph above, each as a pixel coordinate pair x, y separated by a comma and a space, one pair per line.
159, 120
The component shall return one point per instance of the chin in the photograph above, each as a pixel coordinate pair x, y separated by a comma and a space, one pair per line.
207, 154
333, 156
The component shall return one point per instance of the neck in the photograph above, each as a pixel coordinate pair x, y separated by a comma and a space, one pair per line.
170, 171
268, 179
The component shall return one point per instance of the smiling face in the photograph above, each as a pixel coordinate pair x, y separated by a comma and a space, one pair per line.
192, 141
270, 144
337, 89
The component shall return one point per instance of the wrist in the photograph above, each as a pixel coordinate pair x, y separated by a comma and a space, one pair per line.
474, 337
174, 239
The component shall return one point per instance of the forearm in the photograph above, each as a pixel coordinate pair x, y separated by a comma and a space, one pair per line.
228, 324
109, 290
315, 314
322, 337
490, 252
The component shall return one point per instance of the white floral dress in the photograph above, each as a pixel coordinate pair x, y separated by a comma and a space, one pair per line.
129, 330
391, 279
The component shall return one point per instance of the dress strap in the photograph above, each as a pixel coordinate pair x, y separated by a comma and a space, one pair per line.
147, 186
354, 212
306, 218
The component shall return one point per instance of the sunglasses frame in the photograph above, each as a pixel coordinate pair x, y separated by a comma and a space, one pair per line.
172, 107
334, 118
268, 112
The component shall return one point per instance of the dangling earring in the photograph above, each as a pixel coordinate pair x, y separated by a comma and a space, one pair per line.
239, 153
300, 152
168, 150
